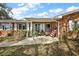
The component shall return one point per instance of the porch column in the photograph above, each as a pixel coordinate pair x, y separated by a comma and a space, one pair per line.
27, 29
44, 27
30, 28
15, 26
34, 29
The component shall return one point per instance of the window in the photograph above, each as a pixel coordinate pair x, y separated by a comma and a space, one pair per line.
47, 25
6, 26
22, 26
19, 26
47, 28
0, 27
42, 27
37, 27
71, 25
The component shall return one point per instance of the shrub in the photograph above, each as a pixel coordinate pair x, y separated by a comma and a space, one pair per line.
9, 34
6, 39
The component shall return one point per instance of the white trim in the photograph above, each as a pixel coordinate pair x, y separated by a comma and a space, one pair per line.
15, 26
27, 29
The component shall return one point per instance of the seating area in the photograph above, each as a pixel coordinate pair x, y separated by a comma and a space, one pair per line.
53, 33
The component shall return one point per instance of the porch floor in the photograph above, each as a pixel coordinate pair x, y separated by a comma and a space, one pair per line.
31, 40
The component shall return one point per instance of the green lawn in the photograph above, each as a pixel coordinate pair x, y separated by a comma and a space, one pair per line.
7, 39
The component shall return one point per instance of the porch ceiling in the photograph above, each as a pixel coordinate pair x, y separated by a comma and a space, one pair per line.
31, 20
13, 21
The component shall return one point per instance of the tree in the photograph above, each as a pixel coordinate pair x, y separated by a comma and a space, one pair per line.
4, 11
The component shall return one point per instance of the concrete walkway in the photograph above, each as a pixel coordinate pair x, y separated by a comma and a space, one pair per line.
30, 41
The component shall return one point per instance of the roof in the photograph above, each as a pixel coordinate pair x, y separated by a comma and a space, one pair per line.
41, 19
31, 20
67, 13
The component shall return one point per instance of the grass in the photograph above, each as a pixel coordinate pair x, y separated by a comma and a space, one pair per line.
6, 39
53, 49
31, 50
17, 50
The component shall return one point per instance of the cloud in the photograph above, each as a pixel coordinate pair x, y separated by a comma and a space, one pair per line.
30, 15
55, 11
43, 14
17, 12
39, 15
25, 7
20, 4
18, 17
58, 10
34, 6
30, 5
51, 10
71, 8
31, 8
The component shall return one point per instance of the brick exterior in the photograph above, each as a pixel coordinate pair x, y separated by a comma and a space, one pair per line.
64, 22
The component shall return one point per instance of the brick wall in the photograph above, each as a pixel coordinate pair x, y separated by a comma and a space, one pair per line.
64, 22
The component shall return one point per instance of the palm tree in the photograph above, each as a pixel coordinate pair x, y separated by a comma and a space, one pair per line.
4, 11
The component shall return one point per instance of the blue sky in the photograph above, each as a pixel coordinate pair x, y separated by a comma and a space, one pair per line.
37, 10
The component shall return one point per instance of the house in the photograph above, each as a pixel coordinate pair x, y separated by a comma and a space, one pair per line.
30, 24
62, 23
66, 21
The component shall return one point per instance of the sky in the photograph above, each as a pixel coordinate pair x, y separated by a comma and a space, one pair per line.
40, 10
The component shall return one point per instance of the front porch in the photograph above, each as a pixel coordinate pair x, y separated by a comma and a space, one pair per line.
13, 27
30, 28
